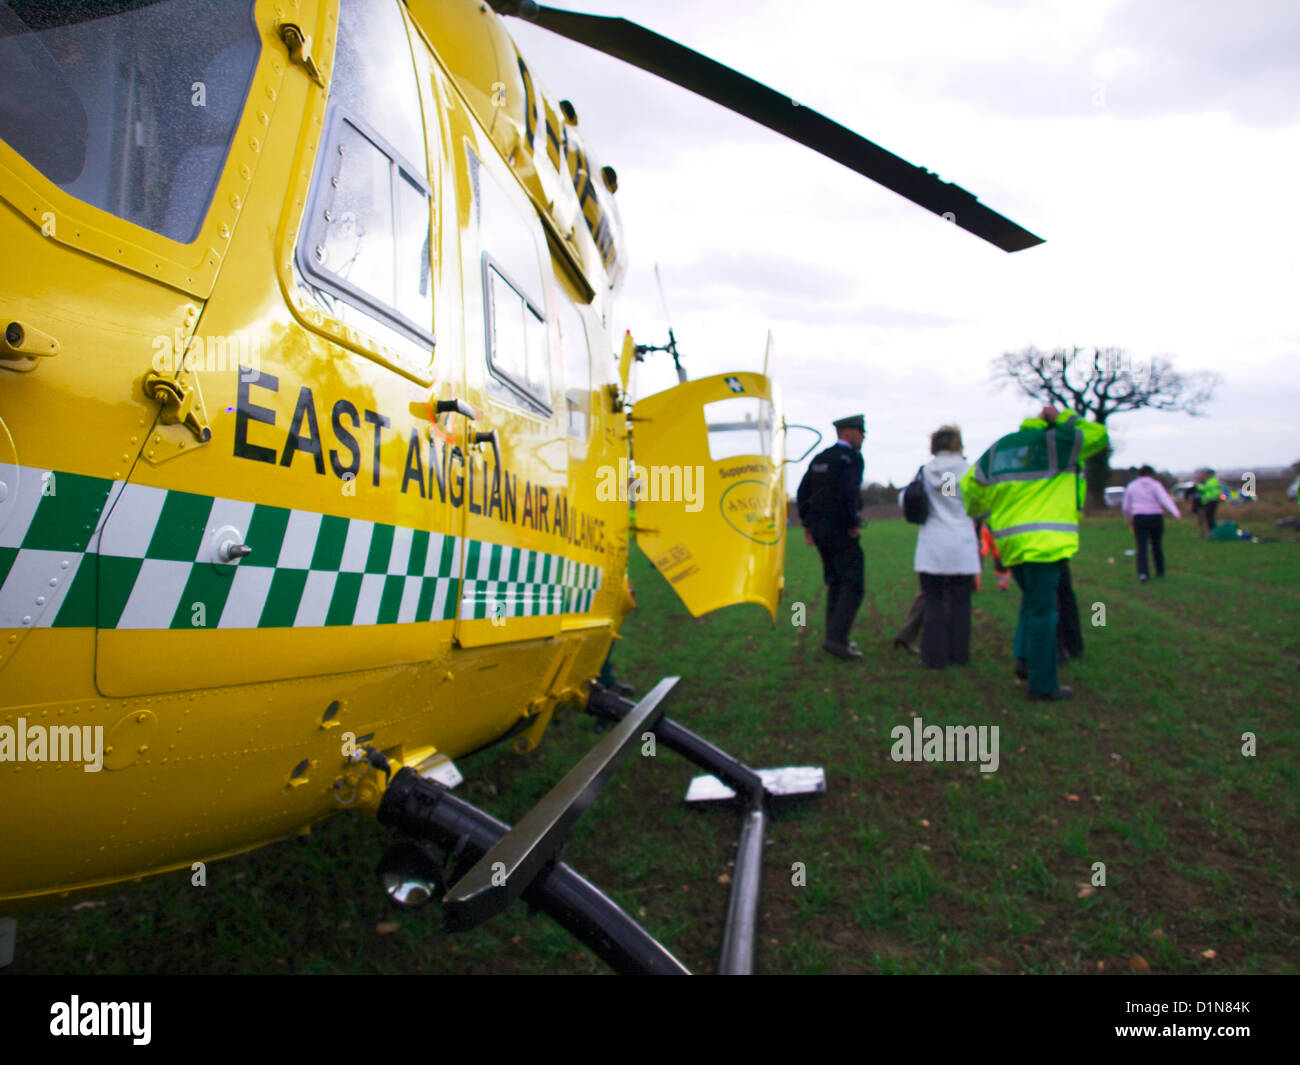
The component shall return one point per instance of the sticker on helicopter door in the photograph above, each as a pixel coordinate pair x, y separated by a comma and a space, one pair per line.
748, 507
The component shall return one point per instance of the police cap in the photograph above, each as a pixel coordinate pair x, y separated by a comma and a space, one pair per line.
854, 421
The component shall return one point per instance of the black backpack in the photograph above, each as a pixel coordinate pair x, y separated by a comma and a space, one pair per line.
916, 507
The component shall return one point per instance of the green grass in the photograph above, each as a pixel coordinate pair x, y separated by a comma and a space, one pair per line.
911, 867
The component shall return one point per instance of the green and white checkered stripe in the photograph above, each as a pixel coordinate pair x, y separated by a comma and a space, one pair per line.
156, 562
504, 581
581, 583
45, 529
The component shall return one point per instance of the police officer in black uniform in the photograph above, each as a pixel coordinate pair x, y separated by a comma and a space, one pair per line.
828, 509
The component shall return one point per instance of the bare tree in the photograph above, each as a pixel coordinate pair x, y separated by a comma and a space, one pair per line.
1099, 382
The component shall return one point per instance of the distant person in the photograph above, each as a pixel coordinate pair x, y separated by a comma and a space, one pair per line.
1192, 494
1026, 484
1210, 493
828, 504
947, 555
1145, 499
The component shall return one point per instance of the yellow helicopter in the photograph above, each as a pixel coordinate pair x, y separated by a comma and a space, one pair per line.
315, 457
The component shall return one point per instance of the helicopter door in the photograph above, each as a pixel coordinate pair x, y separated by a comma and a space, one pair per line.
307, 537
514, 473
709, 490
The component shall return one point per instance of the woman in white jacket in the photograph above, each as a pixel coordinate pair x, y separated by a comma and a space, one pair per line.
947, 555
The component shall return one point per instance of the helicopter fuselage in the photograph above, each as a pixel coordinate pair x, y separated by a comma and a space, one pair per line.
238, 538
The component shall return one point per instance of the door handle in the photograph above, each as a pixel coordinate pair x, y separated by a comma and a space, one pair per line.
455, 406
492, 437
22, 343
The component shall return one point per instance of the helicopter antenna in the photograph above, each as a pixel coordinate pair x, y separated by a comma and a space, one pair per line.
672, 340
671, 346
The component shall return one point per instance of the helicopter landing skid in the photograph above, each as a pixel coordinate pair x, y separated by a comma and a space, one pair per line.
758, 792
426, 810
505, 863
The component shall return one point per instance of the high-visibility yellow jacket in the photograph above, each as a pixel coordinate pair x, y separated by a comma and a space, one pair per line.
1211, 490
1026, 486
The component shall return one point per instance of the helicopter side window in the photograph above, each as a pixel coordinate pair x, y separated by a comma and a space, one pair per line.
738, 427
514, 306
577, 369
130, 107
365, 247
516, 334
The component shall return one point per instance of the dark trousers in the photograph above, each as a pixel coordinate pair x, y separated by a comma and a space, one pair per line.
1149, 527
842, 565
1069, 629
1210, 508
1036, 628
912, 623
945, 633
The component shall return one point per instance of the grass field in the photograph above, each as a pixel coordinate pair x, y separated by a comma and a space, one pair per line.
910, 867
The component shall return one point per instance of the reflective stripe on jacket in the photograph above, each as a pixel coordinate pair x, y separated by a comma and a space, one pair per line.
1028, 483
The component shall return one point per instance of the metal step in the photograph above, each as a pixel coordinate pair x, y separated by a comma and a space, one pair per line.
502, 874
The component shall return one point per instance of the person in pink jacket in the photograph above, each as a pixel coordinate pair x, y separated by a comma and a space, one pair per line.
1145, 500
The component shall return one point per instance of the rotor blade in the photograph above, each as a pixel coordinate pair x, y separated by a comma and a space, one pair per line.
669, 60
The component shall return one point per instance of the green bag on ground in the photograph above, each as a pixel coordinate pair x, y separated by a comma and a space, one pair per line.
1225, 530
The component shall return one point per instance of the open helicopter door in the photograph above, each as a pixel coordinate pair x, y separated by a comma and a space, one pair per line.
709, 489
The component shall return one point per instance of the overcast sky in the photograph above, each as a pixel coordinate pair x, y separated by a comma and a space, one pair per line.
1155, 145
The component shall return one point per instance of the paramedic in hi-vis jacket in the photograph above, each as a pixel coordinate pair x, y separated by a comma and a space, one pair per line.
1026, 487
